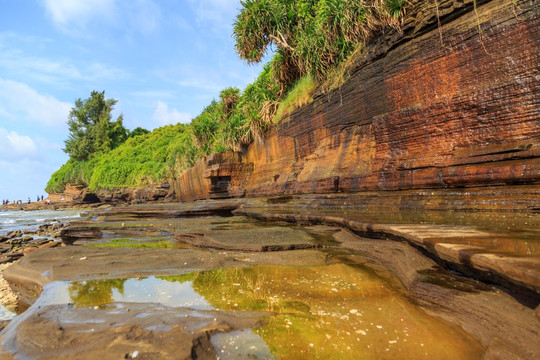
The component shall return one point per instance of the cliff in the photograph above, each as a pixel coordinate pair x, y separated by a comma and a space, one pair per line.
430, 107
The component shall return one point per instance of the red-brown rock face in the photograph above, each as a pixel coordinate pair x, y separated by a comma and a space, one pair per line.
415, 114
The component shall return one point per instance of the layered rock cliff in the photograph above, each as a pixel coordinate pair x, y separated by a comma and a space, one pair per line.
451, 101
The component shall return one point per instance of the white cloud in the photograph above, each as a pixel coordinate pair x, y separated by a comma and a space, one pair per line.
74, 16
23, 103
22, 64
220, 11
77, 13
14, 147
164, 116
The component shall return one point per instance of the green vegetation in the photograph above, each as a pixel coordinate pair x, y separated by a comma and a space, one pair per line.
312, 36
315, 42
130, 243
72, 172
140, 160
300, 95
90, 128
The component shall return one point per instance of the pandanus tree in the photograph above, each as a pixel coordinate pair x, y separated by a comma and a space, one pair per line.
311, 36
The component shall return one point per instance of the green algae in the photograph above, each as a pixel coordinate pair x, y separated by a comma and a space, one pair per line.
330, 312
333, 312
131, 243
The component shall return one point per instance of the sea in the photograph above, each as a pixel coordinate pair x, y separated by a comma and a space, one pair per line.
11, 220
30, 220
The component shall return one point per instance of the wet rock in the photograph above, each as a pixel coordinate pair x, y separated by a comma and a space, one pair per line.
27, 250
40, 242
73, 233
48, 329
14, 241
11, 256
256, 239
50, 244
14, 234
3, 324
142, 211
4, 248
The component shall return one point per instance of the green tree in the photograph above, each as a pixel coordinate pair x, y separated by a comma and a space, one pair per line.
90, 128
138, 131
229, 98
311, 36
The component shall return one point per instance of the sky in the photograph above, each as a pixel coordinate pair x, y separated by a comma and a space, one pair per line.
163, 60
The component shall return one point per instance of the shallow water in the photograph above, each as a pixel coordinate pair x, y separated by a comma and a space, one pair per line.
30, 220
324, 312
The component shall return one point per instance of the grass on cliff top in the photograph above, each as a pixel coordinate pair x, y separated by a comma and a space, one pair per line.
298, 96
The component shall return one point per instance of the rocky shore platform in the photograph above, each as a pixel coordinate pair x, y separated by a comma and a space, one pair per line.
476, 283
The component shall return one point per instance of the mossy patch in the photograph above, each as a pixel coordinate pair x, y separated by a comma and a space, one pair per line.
119, 243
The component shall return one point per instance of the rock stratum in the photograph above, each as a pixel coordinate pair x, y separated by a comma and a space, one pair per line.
431, 107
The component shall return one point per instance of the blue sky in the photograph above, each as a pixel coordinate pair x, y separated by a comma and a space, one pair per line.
163, 60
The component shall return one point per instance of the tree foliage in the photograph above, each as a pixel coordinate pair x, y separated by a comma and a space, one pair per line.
138, 131
141, 160
311, 36
90, 128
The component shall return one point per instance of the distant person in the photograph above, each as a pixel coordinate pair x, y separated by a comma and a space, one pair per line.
41, 197
29, 199
37, 198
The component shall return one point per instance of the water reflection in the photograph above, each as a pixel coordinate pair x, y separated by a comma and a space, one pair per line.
137, 290
93, 293
325, 312
332, 312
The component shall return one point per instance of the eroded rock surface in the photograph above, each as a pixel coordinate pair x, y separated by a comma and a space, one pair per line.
123, 330
499, 324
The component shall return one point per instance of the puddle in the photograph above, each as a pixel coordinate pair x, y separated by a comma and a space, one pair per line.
321, 312
137, 290
242, 344
7, 313
333, 312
